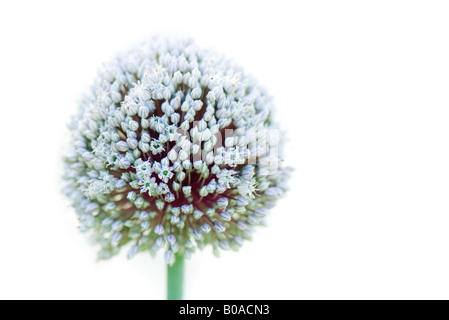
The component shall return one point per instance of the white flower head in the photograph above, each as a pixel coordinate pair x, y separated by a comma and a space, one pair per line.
170, 150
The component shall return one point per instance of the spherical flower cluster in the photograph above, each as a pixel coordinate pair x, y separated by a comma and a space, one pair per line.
173, 148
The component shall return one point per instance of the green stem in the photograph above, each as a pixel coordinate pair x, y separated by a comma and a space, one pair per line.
175, 278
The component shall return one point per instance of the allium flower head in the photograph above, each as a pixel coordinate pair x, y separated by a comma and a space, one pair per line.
173, 148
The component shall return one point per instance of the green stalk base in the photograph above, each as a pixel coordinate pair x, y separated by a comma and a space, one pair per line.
175, 279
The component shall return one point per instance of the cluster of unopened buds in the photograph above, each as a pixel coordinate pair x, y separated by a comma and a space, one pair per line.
173, 148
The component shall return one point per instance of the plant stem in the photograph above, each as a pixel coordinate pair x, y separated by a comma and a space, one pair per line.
175, 278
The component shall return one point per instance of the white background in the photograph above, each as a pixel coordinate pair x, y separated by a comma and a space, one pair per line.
362, 87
